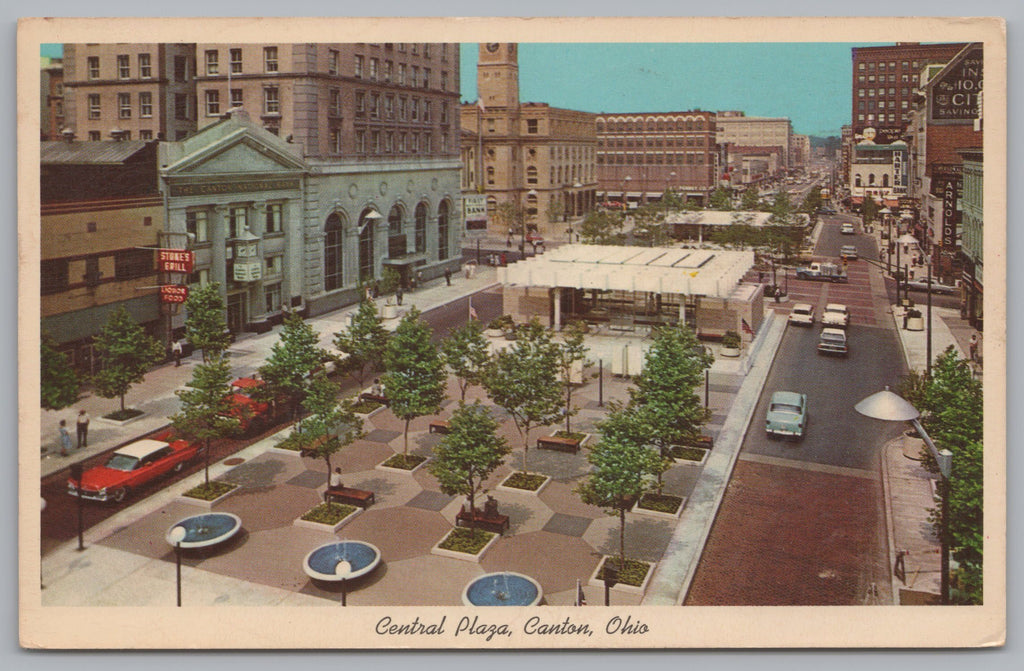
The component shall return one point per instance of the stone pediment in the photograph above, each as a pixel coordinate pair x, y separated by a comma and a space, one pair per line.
237, 154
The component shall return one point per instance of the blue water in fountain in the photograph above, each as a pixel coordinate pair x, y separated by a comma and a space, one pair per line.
501, 589
358, 555
202, 528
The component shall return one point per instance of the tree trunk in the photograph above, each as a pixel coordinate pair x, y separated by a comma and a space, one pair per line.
122, 402
568, 406
405, 447
526, 447
206, 449
622, 540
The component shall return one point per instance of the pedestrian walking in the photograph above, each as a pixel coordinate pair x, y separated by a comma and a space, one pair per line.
448, 276
398, 295
508, 240
82, 425
419, 278
65, 437
176, 350
973, 347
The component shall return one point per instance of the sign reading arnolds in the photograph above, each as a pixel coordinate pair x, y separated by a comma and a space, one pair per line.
954, 95
175, 260
947, 183
216, 188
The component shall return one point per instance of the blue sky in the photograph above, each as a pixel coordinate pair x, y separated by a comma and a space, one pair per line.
807, 82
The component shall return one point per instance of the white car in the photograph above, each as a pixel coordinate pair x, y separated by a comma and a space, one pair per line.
802, 314
836, 315
847, 229
832, 341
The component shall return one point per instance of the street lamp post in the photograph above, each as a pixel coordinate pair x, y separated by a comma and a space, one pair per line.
76, 475
343, 569
888, 406
177, 535
575, 195
532, 193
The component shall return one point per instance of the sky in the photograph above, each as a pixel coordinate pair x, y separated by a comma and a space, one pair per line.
808, 82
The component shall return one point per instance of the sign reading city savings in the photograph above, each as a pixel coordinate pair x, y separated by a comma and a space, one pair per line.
175, 260
954, 96
173, 293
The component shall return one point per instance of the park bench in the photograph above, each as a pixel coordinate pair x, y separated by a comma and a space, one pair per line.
438, 426
705, 442
355, 497
558, 443
489, 521
377, 398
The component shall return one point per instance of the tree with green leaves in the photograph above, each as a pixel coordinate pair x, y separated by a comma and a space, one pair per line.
330, 426
555, 210
466, 353
623, 472
572, 352
126, 352
868, 210
751, 200
649, 225
364, 341
602, 227
720, 199
206, 412
415, 380
523, 379
469, 453
205, 327
782, 209
811, 202
511, 216
292, 360
58, 382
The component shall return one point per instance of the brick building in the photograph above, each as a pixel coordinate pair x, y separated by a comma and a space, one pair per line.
51, 98
641, 154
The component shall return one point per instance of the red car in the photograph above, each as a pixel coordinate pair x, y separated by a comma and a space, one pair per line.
132, 466
252, 414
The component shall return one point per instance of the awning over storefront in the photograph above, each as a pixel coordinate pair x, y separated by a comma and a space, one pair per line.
691, 272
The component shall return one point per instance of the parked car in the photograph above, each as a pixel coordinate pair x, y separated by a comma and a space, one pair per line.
826, 210
832, 341
836, 315
922, 285
132, 466
802, 314
847, 229
787, 414
848, 252
253, 413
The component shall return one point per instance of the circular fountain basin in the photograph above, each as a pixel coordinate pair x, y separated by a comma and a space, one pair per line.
205, 530
502, 589
360, 557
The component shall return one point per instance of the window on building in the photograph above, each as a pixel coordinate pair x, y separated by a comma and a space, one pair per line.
414, 143
272, 297
361, 141
426, 78
212, 102
389, 107
199, 278
333, 58
335, 140
273, 221
428, 142
375, 141
444, 143
358, 67
366, 256
531, 175
389, 142
374, 106
415, 109
420, 228
334, 97
145, 69
271, 102
196, 225
916, 65
236, 61
415, 75
333, 253
531, 125
426, 110
212, 64
94, 105
490, 175
145, 135
180, 68
236, 97
387, 71
857, 180
145, 104
236, 220
131, 264
124, 106
444, 80
881, 66
860, 66
273, 265
860, 93
374, 69
402, 143
360, 103
444, 112
401, 74
871, 78
53, 275
871, 179
93, 66
270, 59
94, 136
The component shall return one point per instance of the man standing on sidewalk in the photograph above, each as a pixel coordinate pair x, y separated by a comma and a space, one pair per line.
176, 350
82, 425
448, 276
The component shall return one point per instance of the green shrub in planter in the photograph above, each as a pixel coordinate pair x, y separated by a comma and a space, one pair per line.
210, 490
123, 415
528, 481
406, 462
662, 503
290, 443
365, 407
572, 435
731, 339
329, 513
469, 541
502, 323
688, 453
633, 573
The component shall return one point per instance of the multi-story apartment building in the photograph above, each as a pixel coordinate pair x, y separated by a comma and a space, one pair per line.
130, 91
884, 79
539, 157
102, 215
643, 154
800, 150
972, 244
736, 128
51, 98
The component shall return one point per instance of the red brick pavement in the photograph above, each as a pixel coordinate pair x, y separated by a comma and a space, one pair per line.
790, 536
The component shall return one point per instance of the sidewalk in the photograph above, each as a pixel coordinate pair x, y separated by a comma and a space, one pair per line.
155, 394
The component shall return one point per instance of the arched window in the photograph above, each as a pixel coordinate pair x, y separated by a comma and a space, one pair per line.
885, 180
689, 124
856, 180
442, 230
332, 252
871, 179
490, 175
492, 204
421, 227
366, 246
531, 174
531, 205
395, 221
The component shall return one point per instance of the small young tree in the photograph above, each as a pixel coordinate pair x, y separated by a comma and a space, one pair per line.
125, 352
58, 383
205, 327
555, 210
601, 227
720, 199
523, 380
649, 225
571, 352
623, 472
466, 354
331, 424
751, 199
206, 408
469, 453
869, 210
364, 341
292, 359
782, 209
511, 216
811, 202
415, 378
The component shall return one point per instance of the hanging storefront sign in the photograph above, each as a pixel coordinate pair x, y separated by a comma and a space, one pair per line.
950, 215
247, 271
175, 260
474, 211
173, 293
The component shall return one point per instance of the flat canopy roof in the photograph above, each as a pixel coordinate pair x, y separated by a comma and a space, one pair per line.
693, 272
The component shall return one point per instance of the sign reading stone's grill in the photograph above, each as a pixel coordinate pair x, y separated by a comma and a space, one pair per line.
175, 260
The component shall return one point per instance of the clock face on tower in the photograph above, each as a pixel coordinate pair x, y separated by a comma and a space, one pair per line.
492, 46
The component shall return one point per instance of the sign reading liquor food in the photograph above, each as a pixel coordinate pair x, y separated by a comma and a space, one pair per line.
175, 260
173, 293
474, 209
954, 94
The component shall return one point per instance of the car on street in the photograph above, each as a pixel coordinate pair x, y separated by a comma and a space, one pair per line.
787, 414
832, 341
253, 413
847, 229
836, 314
848, 252
802, 314
922, 285
826, 210
132, 466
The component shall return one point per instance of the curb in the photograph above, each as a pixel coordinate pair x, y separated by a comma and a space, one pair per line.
890, 527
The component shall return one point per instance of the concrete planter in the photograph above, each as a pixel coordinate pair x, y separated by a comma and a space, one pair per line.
657, 513
120, 422
730, 352
281, 450
404, 471
619, 587
517, 490
464, 556
390, 311
202, 503
330, 528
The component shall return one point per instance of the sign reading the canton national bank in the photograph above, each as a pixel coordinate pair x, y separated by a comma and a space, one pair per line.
216, 188
954, 96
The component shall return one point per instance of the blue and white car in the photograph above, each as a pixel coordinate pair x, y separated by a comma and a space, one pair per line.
787, 414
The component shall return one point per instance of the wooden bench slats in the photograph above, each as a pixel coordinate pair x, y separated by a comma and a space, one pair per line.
357, 497
558, 443
497, 523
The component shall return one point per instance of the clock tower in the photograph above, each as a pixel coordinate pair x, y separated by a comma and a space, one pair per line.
497, 75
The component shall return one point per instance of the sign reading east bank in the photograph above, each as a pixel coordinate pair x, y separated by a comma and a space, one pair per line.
954, 94
217, 188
